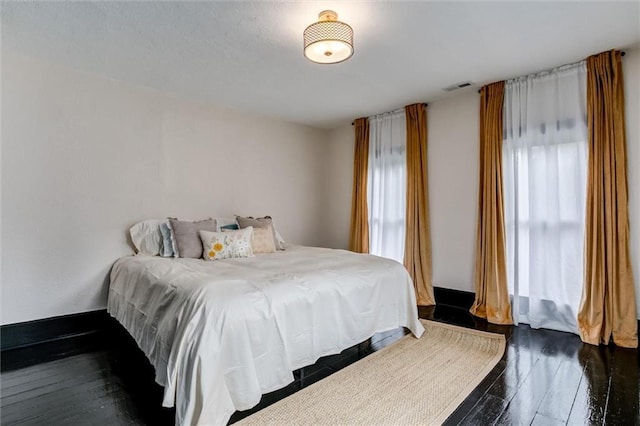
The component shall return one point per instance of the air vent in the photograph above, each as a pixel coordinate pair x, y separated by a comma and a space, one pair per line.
457, 86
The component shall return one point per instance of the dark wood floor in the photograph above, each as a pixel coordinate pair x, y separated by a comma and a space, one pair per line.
545, 378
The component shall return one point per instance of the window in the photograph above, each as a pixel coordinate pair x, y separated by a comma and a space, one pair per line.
544, 165
387, 184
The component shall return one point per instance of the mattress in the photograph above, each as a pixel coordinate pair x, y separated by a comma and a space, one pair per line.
220, 334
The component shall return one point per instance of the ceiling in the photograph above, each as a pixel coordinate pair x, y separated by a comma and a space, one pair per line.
248, 55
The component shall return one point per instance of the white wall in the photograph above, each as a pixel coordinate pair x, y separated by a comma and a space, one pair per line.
339, 186
453, 132
84, 157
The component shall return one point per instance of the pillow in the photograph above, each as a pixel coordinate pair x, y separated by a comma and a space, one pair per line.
261, 222
227, 245
186, 237
232, 227
223, 222
146, 236
167, 240
262, 241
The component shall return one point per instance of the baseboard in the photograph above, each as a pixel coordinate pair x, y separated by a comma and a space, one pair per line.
30, 333
451, 297
461, 299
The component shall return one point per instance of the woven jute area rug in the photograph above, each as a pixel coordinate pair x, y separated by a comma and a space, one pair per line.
412, 382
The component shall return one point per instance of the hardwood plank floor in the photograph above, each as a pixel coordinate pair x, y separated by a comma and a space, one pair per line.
545, 378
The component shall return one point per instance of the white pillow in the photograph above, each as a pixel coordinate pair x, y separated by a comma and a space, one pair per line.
146, 236
227, 245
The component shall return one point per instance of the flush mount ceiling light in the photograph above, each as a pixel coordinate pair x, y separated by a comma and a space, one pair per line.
328, 41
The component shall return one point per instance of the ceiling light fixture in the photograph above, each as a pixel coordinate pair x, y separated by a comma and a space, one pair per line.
328, 41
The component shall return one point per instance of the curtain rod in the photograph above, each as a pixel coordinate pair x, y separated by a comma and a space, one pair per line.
621, 54
425, 104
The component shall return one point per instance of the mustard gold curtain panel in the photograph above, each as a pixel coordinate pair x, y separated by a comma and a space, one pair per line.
492, 293
359, 233
607, 308
417, 247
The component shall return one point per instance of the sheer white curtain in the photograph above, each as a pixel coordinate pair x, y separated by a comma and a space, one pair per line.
545, 175
387, 184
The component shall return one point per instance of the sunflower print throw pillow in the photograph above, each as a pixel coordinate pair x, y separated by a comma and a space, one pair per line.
227, 245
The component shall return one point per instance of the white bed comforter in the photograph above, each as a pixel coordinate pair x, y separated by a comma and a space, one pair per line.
222, 333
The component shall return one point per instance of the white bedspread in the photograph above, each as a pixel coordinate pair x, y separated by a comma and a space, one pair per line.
222, 333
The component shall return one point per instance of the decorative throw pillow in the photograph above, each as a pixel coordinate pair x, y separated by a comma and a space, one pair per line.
260, 222
232, 227
186, 237
262, 241
227, 245
146, 236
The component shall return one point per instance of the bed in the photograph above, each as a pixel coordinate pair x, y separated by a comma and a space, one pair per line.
220, 334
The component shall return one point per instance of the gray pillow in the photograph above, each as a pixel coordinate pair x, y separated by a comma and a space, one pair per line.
187, 238
260, 222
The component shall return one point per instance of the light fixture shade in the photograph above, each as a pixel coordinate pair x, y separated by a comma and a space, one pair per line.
328, 41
